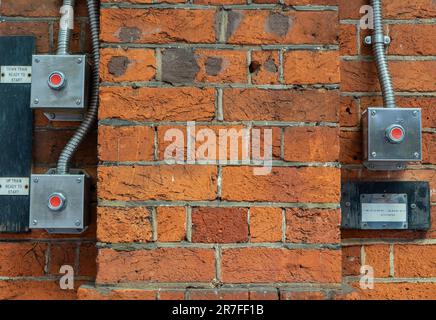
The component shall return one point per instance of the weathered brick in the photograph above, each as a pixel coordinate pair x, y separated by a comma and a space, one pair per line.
280, 105
414, 261
377, 256
40, 30
311, 144
124, 224
159, 265
290, 27
312, 225
63, 254
219, 225
348, 39
171, 224
309, 67
264, 67
117, 64
351, 151
157, 25
267, 294
22, 259
257, 265
265, 224
87, 260
221, 294
301, 295
158, 183
157, 104
349, 114
284, 184
126, 143
96, 293
35, 290
351, 260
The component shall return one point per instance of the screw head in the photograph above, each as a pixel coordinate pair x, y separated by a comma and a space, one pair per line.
368, 40
79, 60
78, 101
36, 60
373, 113
36, 180
413, 206
374, 154
35, 222
77, 223
415, 113
416, 154
79, 180
348, 204
36, 101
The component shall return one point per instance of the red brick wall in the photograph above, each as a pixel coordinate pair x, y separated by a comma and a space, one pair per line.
30, 262
204, 231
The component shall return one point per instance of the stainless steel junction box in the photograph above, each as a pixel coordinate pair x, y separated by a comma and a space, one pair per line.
59, 203
59, 85
392, 137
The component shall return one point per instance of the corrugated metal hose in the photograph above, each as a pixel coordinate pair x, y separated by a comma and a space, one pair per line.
86, 125
378, 47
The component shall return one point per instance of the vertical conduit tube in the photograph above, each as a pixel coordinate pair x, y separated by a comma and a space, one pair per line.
378, 47
66, 26
85, 126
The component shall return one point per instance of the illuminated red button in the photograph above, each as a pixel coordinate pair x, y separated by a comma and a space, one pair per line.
56, 80
396, 133
56, 201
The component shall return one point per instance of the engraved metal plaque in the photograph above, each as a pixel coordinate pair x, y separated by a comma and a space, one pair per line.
384, 211
14, 186
16, 74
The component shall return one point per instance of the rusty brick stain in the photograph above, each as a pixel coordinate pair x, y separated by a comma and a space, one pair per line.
278, 24
118, 65
129, 34
213, 65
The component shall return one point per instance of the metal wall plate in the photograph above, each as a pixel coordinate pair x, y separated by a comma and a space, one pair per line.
73, 218
72, 96
15, 132
379, 152
392, 197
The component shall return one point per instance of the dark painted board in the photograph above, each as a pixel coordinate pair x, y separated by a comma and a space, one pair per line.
418, 193
15, 132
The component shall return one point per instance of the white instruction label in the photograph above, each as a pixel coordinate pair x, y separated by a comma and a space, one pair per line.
16, 74
384, 212
14, 186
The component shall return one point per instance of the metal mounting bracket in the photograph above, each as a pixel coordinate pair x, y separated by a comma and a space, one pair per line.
369, 40
61, 116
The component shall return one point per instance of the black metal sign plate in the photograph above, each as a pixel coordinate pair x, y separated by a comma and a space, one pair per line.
15, 133
386, 205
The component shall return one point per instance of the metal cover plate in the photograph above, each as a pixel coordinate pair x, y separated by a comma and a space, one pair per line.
72, 186
379, 148
14, 186
16, 74
72, 96
383, 211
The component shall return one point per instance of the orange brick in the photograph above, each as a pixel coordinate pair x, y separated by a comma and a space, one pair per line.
219, 225
348, 39
221, 294
351, 260
377, 256
158, 183
349, 114
221, 66
172, 295
157, 25
95, 293
171, 224
311, 144
284, 184
351, 151
124, 225
264, 67
280, 105
22, 259
169, 265
301, 295
35, 290
257, 265
290, 27
309, 67
63, 254
127, 64
157, 104
312, 225
414, 261
87, 260
126, 143
265, 224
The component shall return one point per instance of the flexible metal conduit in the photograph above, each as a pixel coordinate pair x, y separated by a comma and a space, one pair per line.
378, 47
85, 126
65, 28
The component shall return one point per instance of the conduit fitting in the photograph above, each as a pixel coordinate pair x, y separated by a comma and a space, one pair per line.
66, 26
378, 45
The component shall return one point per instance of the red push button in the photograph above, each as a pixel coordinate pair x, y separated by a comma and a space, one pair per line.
395, 133
56, 201
56, 80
